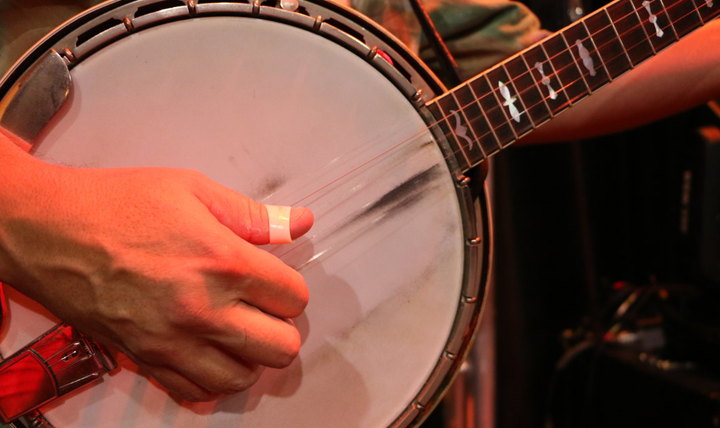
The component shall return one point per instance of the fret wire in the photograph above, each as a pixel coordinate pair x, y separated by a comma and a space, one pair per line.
446, 117
592, 40
485, 116
462, 111
619, 40
617, 34
642, 27
493, 129
517, 92
555, 72
677, 36
507, 119
537, 85
436, 123
575, 61
697, 10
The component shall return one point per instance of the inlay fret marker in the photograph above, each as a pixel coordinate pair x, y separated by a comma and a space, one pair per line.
653, 19
546, 81
672, 26
602, 62
554, 72
509, 101
587, 60
709, 3
519, 97
461, 130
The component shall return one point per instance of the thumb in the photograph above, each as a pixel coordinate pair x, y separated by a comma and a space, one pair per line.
252, 220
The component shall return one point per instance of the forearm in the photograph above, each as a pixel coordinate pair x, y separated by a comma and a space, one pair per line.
683, 76
19, 173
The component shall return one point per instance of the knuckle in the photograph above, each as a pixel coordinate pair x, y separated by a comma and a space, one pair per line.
241, 383
300, 296
289, 350
196, 395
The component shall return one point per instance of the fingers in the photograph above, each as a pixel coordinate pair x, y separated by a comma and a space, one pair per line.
262, 280
246, 217
230, 358
257, 337
205, 377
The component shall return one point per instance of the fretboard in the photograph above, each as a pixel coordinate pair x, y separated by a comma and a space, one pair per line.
494, 109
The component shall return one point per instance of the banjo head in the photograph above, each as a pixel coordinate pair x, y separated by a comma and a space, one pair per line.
287, 108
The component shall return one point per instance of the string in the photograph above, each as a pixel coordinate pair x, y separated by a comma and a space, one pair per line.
566, 51
377, 157
573, 64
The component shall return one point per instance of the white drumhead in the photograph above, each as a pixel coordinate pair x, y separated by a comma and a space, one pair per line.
278, 112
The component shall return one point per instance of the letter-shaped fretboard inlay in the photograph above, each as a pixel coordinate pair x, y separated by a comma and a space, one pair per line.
509, 101
546, 81
587, 60
653, 19
492, 110
461, 130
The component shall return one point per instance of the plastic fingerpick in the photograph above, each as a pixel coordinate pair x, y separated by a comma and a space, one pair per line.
279, 224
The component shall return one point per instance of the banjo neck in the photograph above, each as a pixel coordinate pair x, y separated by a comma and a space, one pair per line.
497, 107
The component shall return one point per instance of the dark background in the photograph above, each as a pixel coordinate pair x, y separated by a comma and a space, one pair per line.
580, 229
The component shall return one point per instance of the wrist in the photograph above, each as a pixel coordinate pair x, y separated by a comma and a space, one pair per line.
22, 179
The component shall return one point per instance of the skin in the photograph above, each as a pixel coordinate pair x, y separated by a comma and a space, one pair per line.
682, 76
160, 264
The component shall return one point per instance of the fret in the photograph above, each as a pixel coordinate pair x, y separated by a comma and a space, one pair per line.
670, 23
630, 30
476, 118
441, 126
507, 93
577, 59
493, 111
566, 68
585, 53
501, 106
460, 128
544, 73
658, 27
640, 20
708, 9
684, 15
610, 48
529, 90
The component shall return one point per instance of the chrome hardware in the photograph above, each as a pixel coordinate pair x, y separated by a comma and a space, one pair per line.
192, 6
473, 242
36, 97
463, 180
69, 55
318, 23
129, 26
469, 299
291, 5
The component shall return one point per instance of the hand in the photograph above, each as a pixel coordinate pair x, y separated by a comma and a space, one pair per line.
157, 263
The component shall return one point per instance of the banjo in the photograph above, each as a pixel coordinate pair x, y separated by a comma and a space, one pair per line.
398, 260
